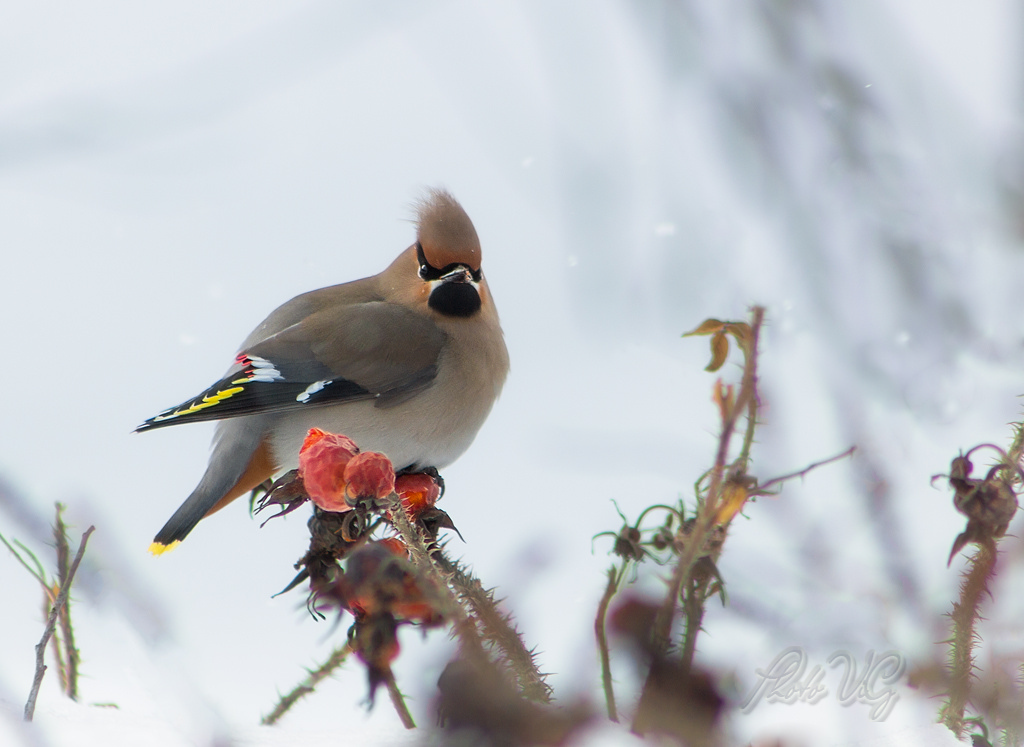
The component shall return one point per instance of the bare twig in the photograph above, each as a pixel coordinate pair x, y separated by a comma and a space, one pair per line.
398, 701
58, 649
62, 599
805, 470
602, 642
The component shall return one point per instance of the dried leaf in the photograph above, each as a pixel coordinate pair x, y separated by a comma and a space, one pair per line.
734, 496
719, 351
742, 333
707, 327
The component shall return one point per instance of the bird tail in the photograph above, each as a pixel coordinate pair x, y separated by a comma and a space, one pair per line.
240, 461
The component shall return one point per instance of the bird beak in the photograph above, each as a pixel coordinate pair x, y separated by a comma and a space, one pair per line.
460, 274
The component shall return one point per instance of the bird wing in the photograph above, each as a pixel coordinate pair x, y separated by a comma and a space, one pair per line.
367, 351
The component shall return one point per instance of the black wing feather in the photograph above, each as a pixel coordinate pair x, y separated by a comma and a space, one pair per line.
256, 396
320, 361
242, 393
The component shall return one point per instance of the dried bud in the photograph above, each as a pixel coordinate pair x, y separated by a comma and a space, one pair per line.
375, 641
662, 539
988, 504
322, 462
287, 493
378, 579
627, 544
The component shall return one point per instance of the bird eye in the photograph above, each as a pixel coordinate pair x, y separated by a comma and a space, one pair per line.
427, 271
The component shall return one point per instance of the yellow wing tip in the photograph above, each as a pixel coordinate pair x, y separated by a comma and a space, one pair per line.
159, 548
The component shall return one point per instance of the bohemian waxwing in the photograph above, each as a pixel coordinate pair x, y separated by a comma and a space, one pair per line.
407, 362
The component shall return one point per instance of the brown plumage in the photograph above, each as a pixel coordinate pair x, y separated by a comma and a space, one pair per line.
408, 362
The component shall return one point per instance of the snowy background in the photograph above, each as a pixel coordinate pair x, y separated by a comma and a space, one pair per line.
171, 172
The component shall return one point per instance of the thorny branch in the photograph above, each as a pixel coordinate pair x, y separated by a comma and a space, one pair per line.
989, 504
705, 516
965, 614
497, 629
695, 545
420, 554
308, 685
68, 671
487, 637
458, 584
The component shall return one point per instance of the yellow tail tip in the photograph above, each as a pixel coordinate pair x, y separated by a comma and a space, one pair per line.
159, 548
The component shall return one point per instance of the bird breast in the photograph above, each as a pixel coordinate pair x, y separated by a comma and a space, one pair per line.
431, 429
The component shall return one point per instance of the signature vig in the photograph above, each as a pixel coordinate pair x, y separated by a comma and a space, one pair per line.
787, 680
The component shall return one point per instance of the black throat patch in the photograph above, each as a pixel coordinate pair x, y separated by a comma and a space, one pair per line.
455, 298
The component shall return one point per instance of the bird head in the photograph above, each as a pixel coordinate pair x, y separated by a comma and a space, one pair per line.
447, 278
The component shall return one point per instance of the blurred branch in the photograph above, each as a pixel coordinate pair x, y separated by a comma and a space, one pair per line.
398, 701
965, 613
498, 630
989, 504
68, 675
62, 600
37, 572
308, 685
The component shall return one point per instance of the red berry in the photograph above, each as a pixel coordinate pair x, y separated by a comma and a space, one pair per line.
418, 492
322, 462
369, 475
